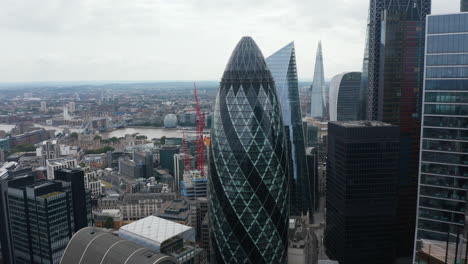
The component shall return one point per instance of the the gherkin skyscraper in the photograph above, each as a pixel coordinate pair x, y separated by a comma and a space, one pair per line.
249, 207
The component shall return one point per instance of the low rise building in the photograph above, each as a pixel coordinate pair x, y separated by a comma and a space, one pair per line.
166, 237
95, 246
62, 163
138, 205
177, 210
101, 218
95, 161
92, 182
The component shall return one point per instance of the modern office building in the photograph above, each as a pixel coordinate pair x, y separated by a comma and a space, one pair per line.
344, 97
95, 246
362, 185
464, 5
49, 149
395, 64
443, 176
179, 169
394, 15
145, 159
318, 103
5, 143
81, 196
166, 157
249, 205
165, 237
282, 65
40, 219
62, 163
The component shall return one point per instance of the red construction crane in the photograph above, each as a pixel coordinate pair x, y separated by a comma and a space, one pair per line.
200, 128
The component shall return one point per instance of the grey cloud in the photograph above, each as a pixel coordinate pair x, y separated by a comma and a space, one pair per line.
173, 39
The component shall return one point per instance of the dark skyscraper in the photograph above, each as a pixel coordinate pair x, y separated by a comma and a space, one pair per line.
344, 92
249, 205
395, 81
443, 178
464, 5
81, 196
362, 183
40, 221
282, 65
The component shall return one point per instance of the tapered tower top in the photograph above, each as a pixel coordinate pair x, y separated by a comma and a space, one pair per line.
246, 63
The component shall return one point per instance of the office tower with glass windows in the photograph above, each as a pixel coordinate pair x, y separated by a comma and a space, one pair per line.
282, 65
443, 177
464, 5
344, 97
81, 196
41, 219
386, 16
395, 65
249, 204
318, 96
362, 184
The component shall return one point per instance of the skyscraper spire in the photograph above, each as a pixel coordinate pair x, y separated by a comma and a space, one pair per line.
318, 100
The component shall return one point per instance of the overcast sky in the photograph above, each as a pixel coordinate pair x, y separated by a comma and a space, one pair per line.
73, 40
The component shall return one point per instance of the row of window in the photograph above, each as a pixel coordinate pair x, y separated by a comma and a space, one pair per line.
448, 24
450, 146
447, 72
442, 109
446, 59
442, 216
443, 121
446, 85
447, 43
449, 158
440, 133
442, 204
446, 97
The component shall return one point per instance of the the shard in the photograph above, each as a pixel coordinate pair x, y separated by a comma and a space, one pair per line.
318, 95
249, 203
282, 65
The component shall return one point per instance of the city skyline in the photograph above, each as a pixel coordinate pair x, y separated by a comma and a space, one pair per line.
135, 41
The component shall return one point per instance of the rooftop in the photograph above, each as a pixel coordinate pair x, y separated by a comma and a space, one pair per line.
156, 230
93, 245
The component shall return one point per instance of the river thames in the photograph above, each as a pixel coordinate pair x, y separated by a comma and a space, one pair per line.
150, 132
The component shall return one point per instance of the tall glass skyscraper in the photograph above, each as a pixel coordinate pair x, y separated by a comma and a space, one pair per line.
318, 99
442, 206
344, 97
282, 65
249, 205
395, 81
409, 10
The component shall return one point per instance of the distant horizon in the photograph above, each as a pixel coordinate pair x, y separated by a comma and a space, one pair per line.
112, 82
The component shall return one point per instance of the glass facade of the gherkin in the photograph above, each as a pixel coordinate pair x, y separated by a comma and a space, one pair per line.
249, 207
